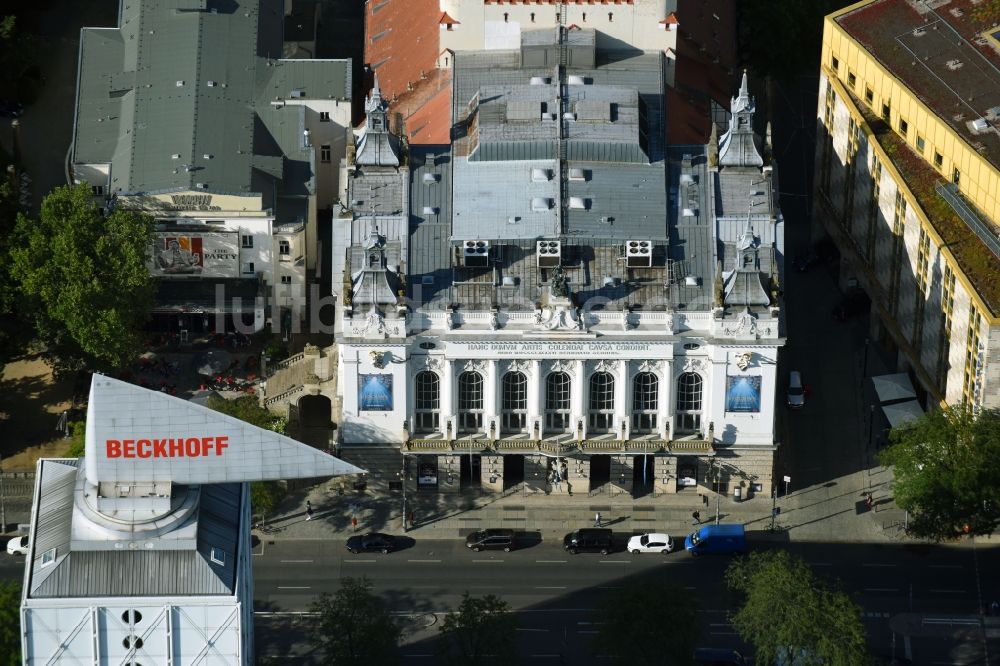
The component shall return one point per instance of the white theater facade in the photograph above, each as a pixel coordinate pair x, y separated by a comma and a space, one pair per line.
140, 551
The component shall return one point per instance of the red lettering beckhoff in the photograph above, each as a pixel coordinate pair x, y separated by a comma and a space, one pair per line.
180, 447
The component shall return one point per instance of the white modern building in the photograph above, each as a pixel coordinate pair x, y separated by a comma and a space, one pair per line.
582, 300
188, 112
140, 551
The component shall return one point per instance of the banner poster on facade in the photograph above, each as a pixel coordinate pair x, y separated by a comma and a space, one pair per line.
196, 255
375, 393
427, 471
742, 393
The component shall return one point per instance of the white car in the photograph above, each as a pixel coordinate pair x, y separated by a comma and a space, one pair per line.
18, 546
650, 543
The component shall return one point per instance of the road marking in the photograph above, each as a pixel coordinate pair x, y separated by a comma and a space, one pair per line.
945, 566
881, 589
296, 561
582, 622
690, 587
610, 587
820, 564
873, 564
487, 560
719, 624
359, 561
723, 633
486, 587
616, 561
530, 629
422, 656
428, 561
948, 591
293, 587
550, 561
544, 656
586, 631
550, 587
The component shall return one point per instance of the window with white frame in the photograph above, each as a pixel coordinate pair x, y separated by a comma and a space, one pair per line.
284, 247
324, 116
689, 403
324, 153
470, 402
248, 268
645, 402
286, 279
428, 401
514, 406
246, 241
557, 401
602, 402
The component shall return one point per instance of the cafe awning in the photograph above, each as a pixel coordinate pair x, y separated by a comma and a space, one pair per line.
893, 387
902, 413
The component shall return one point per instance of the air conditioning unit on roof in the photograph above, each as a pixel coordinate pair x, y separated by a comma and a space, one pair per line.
638, 254
548, 253
476, 253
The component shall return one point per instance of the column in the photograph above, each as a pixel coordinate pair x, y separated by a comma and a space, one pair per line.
665, 468
578, 476
448, 399
449, 469
623, 425
536, 397
491, 400
665, 398
491, 469
578, 411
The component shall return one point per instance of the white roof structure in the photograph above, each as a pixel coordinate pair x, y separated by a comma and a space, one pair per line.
893, 387
901, 413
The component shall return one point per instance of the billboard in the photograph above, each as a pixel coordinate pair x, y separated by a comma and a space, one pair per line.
195, 254
743, 393
375, 393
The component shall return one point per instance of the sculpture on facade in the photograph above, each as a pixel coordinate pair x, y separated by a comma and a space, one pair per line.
558, 287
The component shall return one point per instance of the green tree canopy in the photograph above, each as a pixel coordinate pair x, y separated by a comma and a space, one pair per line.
10, 623
946, 472
85, 279
353, 626
644, 625
482, 631
787, 611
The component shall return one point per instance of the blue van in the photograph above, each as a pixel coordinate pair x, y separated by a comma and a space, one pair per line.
724, 539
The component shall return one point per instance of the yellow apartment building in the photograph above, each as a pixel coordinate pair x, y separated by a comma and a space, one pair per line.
907, 183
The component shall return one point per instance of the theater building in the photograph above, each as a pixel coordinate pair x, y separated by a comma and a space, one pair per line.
140, 551
582, 301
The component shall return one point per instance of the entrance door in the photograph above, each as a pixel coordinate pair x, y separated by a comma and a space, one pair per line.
471, 475
513, 470
643, 475
600, 471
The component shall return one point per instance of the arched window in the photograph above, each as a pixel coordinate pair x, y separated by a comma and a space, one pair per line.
427, 389
557, 400
645, 402
470, 402
602, 402
689, 403
514, 405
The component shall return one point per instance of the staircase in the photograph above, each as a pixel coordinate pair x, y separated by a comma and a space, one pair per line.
287, 379
383, 464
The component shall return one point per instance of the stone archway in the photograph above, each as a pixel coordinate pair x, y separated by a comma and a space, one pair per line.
315, 423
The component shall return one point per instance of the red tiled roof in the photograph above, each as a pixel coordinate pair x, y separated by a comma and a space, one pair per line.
555, 2
401, 42
447, 20
427, 109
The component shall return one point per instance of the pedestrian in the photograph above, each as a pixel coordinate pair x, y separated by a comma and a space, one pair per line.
354, 524
410, 517
597, 519
695, 518
995, 608
869, 501
309, 510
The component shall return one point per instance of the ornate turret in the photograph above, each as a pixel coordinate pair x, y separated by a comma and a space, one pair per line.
737, 146
377, 146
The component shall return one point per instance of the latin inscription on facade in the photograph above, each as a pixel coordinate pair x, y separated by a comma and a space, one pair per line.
583, 349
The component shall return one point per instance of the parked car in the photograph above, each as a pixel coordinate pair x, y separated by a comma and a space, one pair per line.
372, 542
18, 546
491, 539
796, 391
592, 540
650, 543
854, 303
717, 539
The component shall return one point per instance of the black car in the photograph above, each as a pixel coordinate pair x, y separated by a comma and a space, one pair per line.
493, 539
854, 304
592, 540
373, 542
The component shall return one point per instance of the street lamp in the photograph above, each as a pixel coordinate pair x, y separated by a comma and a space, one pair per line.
718, 478
402, 477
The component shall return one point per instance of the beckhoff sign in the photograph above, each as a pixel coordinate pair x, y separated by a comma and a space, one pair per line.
179, 447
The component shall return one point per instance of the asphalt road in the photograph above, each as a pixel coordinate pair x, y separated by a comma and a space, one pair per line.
555, 593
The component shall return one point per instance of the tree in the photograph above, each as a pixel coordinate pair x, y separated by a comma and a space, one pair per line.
264, 495
78, 436
945, 472
787, 611
643, 625
85, 279
10, 623
353, 627
481, 631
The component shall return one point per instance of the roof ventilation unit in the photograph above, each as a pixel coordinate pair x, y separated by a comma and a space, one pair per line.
541, 175
688, 212
638, 254
476, 253
578, 203
549, 253
430, 210
540, 80
690, 281
575, 80
687, 179
298, 93
509, 281
430, 178
575, 173
540, 204
610, 281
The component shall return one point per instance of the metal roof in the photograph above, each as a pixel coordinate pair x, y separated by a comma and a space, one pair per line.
171, 96
429, 269
162, 570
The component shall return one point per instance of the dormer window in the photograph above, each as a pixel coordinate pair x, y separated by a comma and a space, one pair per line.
374, 261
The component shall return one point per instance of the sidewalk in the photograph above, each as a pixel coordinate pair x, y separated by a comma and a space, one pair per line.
834, 511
